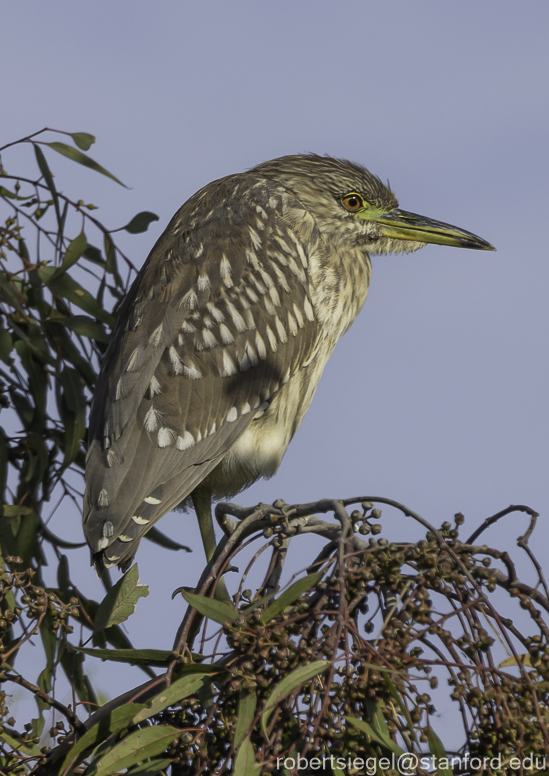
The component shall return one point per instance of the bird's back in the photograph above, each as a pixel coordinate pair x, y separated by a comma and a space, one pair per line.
219, 320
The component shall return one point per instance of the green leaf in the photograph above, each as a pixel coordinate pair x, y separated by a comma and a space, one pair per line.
28, 546
23, 408
244, 764
293, 754
247, 703
152, 768
135, 657
48, 177
38, 459
61, 230
117, 720
8, 544
140, 222
12, 195
211, 608
157, 537
523, 660
31, 358
294, 679
385, 741
13, 510
398, 700
11, 292
4, 457
437, 749
63, 576
73, 390
83, 140
364, 727
121, 600
74, 251
113, 635
72, 408
134, 749
66, 287
180, 689
73, 666
87, 327
112, 266
376, 718
289, 596
77, 156
380, 725
6, 345
69, 352
24, 747
94, 254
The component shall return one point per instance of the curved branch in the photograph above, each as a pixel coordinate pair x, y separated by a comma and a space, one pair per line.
510, 509
67, 712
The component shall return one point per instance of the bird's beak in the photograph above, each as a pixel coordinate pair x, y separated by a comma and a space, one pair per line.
401, 225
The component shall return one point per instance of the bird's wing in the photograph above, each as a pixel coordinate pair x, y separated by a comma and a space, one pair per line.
216, 322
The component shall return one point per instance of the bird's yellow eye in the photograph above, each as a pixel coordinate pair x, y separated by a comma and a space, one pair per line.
352, 202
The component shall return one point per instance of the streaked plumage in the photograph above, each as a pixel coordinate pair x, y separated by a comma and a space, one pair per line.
223, 337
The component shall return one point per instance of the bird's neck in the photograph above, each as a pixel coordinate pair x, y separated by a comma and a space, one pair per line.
340, 278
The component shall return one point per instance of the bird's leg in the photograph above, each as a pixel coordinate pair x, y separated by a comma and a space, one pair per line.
202, 503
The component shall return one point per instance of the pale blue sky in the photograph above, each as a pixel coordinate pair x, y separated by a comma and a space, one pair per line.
438, 395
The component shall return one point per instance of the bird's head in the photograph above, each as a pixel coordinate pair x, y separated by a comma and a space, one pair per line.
351, 205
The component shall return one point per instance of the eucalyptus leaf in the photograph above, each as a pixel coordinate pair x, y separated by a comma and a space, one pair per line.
66, 287
83, 140
244, 764
140, 222
380, 725
134, 749
437, 749
152, 768
512, 661
247, 704
25, 747
73, 389
364, 727
289, 596
48, 177
157, 537
135, 657
74, 251
13, 510
12, 195
120, 601
295, 679
117, 720
6, 346
78, 156
87, 327
72, 408
94, 254
171, 695
215, 610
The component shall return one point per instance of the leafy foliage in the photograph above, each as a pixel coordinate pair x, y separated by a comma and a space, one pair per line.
346, 661
51, 272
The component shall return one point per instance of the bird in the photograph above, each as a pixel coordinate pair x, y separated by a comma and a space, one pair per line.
222, 339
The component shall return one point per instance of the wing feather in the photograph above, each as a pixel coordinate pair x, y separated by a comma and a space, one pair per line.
204, 338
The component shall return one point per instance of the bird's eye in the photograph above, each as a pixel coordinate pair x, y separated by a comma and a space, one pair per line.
352, 202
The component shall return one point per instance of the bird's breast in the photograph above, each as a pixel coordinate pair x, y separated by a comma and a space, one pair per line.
339, 281
259, 451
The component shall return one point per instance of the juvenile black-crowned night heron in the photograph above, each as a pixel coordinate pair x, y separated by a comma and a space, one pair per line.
223, 337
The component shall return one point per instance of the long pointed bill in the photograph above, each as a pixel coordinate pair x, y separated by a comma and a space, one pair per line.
401, 225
